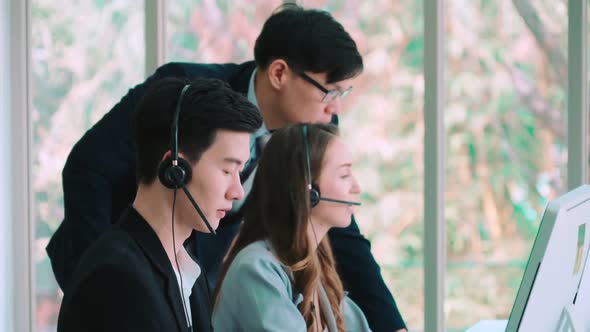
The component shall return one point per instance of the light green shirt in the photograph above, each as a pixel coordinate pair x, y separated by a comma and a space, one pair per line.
247, 183
252, 98
257, 295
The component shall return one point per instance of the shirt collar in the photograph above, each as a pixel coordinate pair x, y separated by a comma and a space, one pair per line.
190, 269
190, 272
252, 98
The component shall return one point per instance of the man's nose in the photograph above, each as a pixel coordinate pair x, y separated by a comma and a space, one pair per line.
235, 191
334, 107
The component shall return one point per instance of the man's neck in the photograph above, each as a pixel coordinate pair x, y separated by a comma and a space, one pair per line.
154, 204
267, 101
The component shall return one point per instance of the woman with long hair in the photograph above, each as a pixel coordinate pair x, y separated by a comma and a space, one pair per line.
280, 274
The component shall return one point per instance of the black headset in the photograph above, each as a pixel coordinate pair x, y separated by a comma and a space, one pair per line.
175, 172
314, 191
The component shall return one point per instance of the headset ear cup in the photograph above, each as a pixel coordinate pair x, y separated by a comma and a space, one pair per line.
187, 171
163, 170
314, 195
174, 177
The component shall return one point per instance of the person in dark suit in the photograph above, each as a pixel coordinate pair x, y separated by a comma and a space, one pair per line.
192, 142
305, 64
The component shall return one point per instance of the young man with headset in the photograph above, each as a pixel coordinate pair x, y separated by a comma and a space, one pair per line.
192, 142
305, 64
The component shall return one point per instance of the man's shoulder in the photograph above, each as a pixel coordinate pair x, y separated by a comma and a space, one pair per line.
114, 252
111, 277
227, 71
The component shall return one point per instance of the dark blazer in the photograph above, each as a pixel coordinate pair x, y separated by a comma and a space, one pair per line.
99, 182
125, 282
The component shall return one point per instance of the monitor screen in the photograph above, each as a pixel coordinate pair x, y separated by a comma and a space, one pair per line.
554, 286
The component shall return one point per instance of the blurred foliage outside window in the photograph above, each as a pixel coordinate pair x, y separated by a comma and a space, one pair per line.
85, 56
505, 122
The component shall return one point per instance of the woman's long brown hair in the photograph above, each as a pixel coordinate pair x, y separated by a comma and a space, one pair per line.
278, 209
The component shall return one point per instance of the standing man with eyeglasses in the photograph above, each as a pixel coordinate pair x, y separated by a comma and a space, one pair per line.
305, 64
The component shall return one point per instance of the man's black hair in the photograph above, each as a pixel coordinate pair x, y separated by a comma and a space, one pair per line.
308, 40
207, 106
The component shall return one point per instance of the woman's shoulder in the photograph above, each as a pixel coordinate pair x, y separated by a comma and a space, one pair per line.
256, 294
256, 252
259, 248
258, 258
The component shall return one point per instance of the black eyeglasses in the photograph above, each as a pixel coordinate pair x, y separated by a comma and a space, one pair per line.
330, 95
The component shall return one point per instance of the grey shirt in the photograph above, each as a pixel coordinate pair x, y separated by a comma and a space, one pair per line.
257, 295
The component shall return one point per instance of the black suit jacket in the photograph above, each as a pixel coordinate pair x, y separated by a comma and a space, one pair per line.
125, 282
99, 182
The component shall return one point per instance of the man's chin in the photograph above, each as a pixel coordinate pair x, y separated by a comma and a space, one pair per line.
202, 228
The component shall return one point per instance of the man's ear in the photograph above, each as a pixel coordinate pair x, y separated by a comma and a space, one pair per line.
278, 73
166, 155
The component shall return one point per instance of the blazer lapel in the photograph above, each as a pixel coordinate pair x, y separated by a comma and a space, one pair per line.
175, 300
200, 303
150, 244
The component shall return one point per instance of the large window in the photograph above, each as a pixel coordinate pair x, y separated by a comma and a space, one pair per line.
505, 118
85, 55
215, 31
505, 123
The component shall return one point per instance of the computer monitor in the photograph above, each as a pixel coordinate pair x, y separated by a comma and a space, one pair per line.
554, 293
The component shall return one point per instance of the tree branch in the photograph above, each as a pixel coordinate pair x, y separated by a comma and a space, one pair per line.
548, 41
